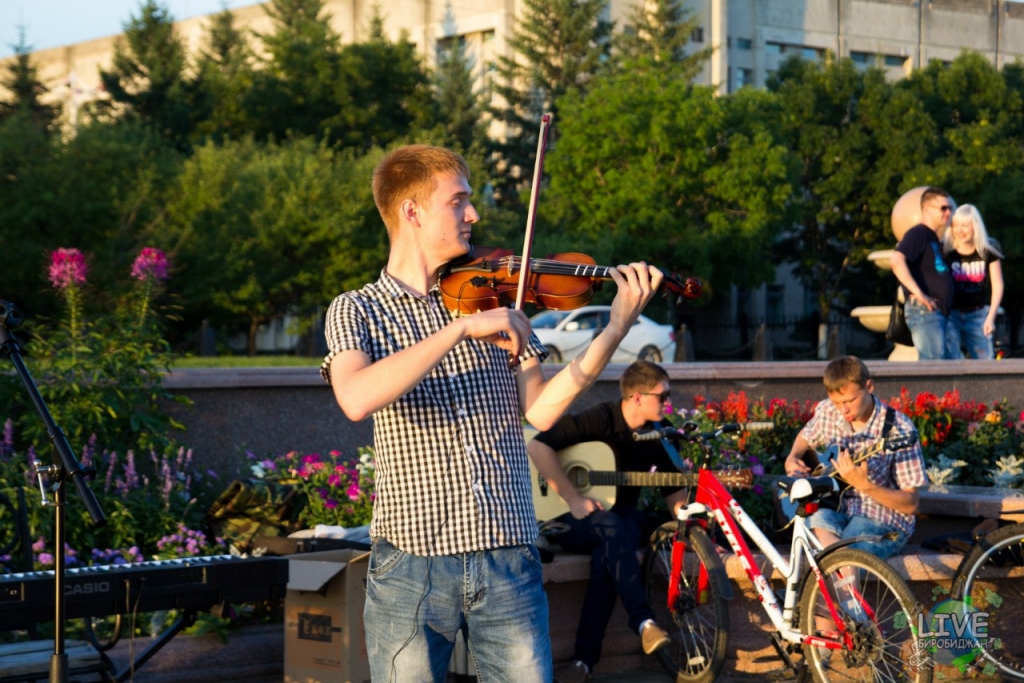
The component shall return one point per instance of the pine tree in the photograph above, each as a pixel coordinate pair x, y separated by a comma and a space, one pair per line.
557, 45
457, 101
148, 76
657, 33
226, 72
385, 88
297, 87
27, 91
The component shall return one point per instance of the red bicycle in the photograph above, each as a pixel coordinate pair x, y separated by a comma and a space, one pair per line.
849, 618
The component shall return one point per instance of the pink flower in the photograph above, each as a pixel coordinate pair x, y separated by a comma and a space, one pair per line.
67, 267
353, 491
150, 264
334, 480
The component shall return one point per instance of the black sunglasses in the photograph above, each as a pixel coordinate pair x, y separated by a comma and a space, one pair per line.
663, 396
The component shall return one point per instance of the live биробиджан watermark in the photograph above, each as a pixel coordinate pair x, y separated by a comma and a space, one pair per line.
955, 633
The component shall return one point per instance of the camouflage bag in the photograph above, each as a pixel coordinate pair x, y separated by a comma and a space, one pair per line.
255, 507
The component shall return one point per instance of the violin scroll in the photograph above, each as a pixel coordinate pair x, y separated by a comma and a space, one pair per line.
686, 289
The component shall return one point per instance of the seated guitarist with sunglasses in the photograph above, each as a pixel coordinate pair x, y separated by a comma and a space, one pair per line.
611, 536
883, 492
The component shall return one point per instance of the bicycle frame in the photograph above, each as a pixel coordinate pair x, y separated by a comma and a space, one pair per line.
728, 513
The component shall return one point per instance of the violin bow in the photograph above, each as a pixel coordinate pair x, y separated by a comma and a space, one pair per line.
531, 216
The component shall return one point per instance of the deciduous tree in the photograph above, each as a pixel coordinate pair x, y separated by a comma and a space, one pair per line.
679, 181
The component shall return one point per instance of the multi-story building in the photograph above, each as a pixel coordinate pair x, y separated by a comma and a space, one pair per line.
750, 37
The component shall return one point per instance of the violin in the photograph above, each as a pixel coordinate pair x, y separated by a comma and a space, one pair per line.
488, 277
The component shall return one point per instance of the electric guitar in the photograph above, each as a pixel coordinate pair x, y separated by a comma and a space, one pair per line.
591, 468
828, 468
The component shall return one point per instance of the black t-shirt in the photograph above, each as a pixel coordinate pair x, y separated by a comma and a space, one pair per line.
920, 245
604, 422
972, 284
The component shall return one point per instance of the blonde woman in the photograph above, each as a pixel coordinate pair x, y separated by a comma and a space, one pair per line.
976, 264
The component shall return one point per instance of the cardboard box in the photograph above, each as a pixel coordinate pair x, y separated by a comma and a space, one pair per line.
324, 641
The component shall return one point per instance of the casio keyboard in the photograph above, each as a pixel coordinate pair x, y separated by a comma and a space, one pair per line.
189, 585
197, 583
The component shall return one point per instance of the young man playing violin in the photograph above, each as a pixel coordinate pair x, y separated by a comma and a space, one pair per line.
611, 536
883, 496
453, 523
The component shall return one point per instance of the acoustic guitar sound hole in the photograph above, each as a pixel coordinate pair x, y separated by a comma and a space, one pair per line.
579, 476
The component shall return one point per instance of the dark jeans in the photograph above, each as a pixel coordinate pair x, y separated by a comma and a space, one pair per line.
612, 537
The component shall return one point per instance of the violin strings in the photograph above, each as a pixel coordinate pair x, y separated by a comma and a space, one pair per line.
554, 267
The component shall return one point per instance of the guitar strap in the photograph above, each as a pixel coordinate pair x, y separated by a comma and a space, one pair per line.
890, 418
673, 455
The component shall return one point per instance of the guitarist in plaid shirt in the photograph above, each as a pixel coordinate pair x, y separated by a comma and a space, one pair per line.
882, 497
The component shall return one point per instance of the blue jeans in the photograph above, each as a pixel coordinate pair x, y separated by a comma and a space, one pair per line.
928, 330
967, 328
612, 538
847, 526
415, 605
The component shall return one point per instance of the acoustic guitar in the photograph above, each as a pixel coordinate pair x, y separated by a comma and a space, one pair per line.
591, 468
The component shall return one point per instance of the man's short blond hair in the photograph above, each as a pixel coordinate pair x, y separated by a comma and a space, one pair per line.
641, 376
411, 172
846, 370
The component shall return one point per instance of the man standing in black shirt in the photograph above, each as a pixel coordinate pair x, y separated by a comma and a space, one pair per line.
927, 283
612, 536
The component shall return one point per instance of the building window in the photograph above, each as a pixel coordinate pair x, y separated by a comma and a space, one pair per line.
697, 35
446, 45
744, 77
773, 48
744, 43
811, 54
895, 60
861, 57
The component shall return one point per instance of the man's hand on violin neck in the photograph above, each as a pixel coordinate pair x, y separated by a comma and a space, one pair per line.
637, 283
506, 328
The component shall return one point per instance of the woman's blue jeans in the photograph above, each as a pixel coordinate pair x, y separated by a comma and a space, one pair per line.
967, 328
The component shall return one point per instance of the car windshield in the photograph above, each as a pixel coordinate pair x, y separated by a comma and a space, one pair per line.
548, 319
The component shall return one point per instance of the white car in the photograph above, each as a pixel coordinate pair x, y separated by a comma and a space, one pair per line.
566, 333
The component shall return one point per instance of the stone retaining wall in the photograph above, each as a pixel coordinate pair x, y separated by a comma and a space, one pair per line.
273, 410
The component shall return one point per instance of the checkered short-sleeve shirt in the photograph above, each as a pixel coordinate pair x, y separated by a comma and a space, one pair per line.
897, 470
452, 469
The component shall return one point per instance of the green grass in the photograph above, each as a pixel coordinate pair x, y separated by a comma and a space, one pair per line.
245, 362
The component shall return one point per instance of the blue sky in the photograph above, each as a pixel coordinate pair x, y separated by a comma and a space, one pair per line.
51, 23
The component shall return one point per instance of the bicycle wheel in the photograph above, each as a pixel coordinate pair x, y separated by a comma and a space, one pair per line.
699, 632
885, 647
991, 576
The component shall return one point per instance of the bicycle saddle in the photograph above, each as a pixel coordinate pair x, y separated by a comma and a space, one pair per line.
808, 488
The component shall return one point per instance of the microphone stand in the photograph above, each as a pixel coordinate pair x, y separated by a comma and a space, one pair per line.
68, 467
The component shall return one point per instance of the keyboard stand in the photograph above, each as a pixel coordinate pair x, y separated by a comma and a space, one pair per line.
185, 619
